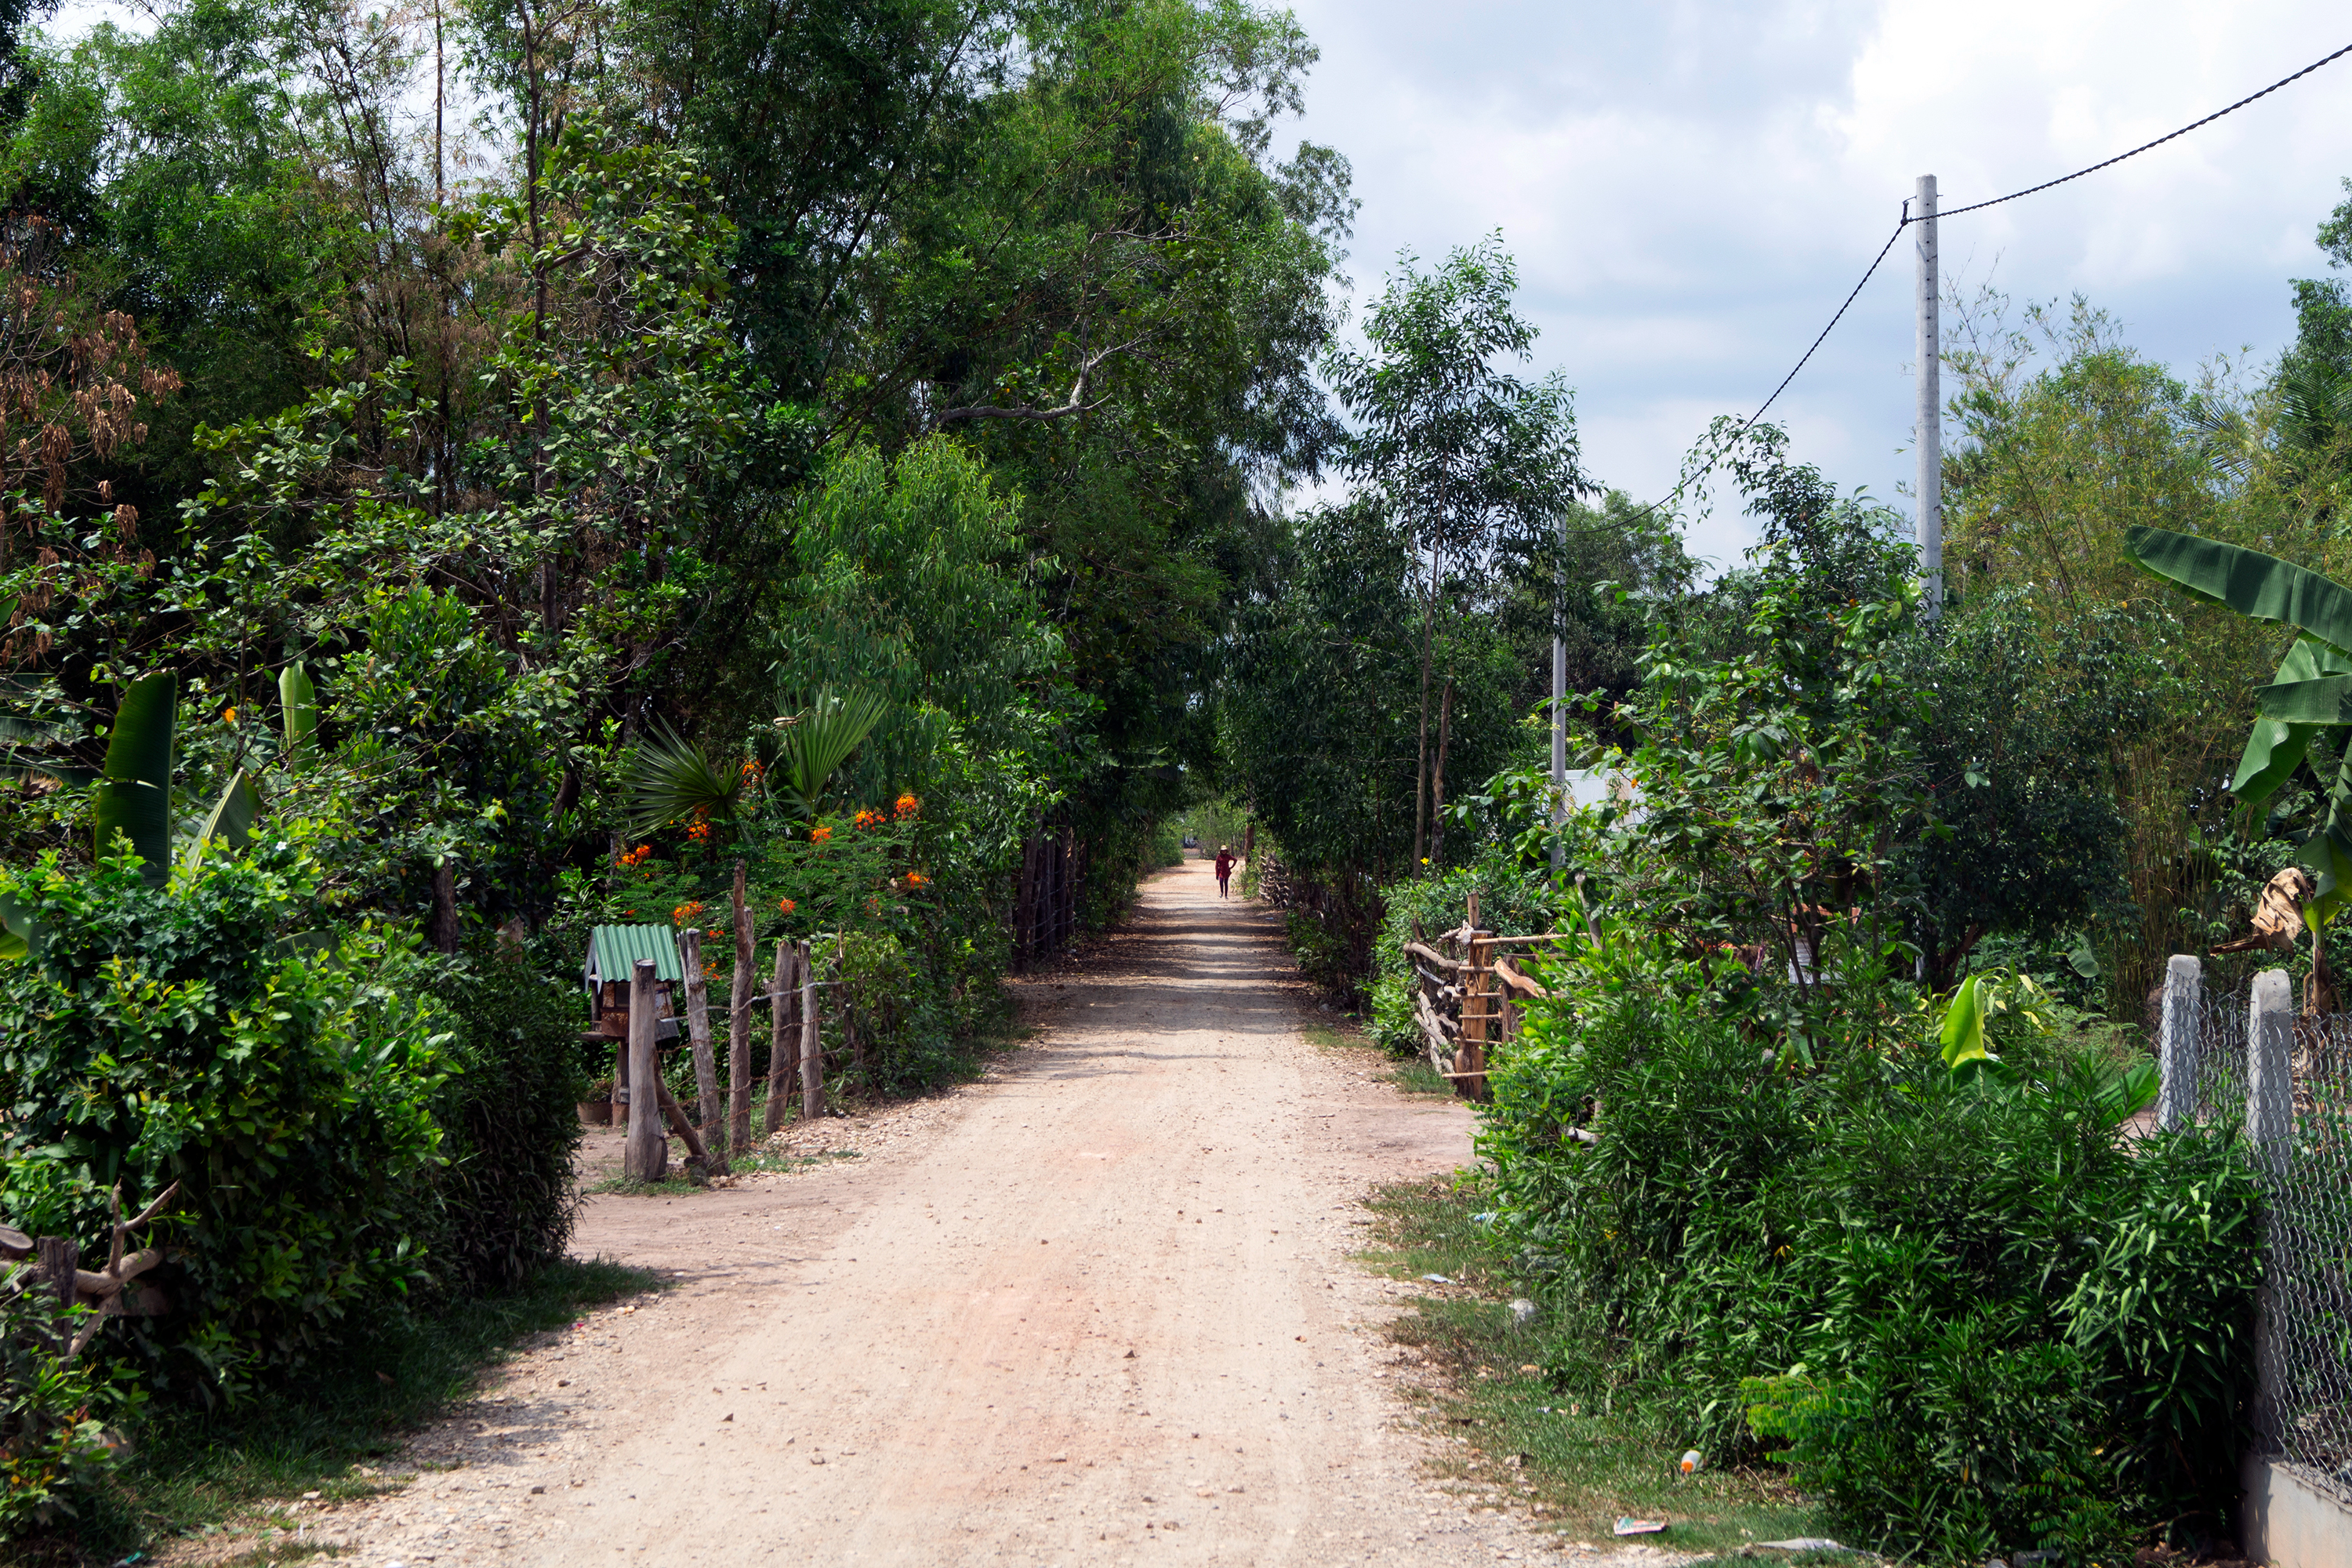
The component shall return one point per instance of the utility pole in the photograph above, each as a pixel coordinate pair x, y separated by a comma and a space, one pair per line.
1560, 709
1930, 414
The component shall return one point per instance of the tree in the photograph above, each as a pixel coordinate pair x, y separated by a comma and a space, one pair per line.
1461, 456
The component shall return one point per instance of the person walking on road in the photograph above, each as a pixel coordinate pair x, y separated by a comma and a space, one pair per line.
1224, 871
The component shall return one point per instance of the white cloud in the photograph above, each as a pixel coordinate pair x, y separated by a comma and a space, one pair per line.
1691, 188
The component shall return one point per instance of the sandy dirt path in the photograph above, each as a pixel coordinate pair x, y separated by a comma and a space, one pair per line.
1098, 1308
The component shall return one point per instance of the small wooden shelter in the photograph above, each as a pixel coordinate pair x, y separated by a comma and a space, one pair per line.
612, 955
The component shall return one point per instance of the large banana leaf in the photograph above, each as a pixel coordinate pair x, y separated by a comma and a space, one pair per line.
134, 791
820, 740
231, 819
671, 779
2276, 746
2247, 581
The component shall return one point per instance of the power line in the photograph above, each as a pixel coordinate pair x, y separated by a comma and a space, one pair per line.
2111, 163
1908, 219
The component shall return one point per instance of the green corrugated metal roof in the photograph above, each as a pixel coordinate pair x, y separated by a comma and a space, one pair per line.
614, 952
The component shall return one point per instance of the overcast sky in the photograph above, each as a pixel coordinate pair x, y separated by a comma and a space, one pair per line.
1691, 188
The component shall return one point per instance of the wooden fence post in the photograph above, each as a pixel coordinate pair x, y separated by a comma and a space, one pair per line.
739, 1024
647, 1157
698, 1026
781, 996
812, 1043
1024, 905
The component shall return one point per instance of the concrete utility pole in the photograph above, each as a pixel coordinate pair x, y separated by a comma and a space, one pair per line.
1559, 746
1559, 704
1930, 415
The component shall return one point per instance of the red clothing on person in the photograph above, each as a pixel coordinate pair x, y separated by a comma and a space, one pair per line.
1224, 865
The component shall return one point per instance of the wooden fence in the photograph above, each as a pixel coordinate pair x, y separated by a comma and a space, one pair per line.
1468, 992
1045, 908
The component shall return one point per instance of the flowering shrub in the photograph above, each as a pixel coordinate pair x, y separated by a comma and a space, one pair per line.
686, 912
786, 906
867, 818
820, 834
909, 807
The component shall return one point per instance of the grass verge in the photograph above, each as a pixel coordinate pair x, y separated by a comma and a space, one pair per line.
1469, 1367
217, 1473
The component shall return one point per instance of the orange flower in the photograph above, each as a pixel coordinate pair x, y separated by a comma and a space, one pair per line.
685, 913
907, 806
870, 818
752, 772
820, 834
700, 830
787, 905
917, 879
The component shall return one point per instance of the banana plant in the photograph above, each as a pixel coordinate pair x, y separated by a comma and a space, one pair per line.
2312, 691
1965, 1037
133, 804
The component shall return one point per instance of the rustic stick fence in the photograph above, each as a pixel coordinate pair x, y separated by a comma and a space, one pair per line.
1046, 907
1469, 993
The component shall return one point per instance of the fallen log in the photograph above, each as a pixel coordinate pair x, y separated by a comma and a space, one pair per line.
685, 1129
1430, 954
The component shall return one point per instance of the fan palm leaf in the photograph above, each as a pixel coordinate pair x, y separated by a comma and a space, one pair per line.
819, 741
672, 780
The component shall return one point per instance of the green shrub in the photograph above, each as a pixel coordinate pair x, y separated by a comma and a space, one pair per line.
504, 1200
54, 1414
1966, 1314
177, 1034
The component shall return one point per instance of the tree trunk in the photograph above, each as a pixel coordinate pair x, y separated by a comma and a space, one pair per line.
739, 1023
1437, 781
445, 908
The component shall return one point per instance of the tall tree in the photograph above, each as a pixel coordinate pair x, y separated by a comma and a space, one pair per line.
1461, 454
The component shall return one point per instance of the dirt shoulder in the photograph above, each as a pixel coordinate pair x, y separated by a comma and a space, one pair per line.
1099, 1307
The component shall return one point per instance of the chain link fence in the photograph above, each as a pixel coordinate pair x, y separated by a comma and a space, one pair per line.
2287, 1080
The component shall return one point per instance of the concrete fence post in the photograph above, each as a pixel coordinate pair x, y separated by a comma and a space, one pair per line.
2270, 1081
2179, 1041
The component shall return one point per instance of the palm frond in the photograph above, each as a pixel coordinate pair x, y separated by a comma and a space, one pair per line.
671, 779
820, 740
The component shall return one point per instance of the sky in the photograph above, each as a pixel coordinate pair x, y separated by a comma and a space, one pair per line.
1690, 189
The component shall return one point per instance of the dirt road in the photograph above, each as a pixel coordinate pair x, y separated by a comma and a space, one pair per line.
1097, 1308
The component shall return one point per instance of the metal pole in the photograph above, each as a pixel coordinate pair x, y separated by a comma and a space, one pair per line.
1931, 412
